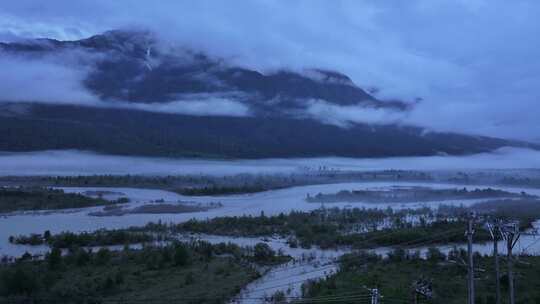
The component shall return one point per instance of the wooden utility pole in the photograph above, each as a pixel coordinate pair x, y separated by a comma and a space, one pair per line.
469, 235
495, 229
511, 235
510, 271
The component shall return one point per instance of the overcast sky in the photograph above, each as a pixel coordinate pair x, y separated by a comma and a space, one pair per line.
473, 62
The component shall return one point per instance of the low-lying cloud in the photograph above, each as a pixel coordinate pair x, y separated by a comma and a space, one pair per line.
43, 81
215, 106
345, 116
53, 80
70, 162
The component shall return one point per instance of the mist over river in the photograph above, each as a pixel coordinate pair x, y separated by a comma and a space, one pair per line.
73, 162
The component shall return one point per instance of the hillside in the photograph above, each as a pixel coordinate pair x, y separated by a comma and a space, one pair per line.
134, 69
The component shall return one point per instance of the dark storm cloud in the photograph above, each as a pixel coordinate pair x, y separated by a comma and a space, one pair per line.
472, 61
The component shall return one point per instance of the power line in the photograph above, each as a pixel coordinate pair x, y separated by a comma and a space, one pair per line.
511, 234
425, 239
415, 242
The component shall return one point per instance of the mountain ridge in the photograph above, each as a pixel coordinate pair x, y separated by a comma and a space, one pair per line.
126, 73
133, 70
135, 132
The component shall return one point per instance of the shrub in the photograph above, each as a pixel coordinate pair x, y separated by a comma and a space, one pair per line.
435, 255
397, 254
54, 258
103, 256
181, 255
263, 252
18, 281
190, 278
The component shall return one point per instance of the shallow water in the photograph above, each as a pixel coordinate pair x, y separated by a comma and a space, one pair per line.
315, 263
270, 202
307, 264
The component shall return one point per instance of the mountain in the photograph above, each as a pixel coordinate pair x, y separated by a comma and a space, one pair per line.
131, 132
134, 69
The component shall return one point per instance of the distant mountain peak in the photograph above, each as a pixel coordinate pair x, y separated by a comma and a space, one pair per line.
120, 39
133, 68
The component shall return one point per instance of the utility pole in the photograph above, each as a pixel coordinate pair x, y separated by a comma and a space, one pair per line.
469, 233
375, 296
510, 270
511, 234
494, 230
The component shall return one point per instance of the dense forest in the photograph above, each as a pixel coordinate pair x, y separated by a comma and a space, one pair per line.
131, 132
306, 230
85, 239
195, 272
39, 198
360, 227
412, 195
331, 228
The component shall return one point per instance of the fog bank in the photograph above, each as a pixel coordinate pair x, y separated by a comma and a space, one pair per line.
58, 79
70, 162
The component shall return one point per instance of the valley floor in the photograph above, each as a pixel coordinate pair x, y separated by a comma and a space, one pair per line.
307, 264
